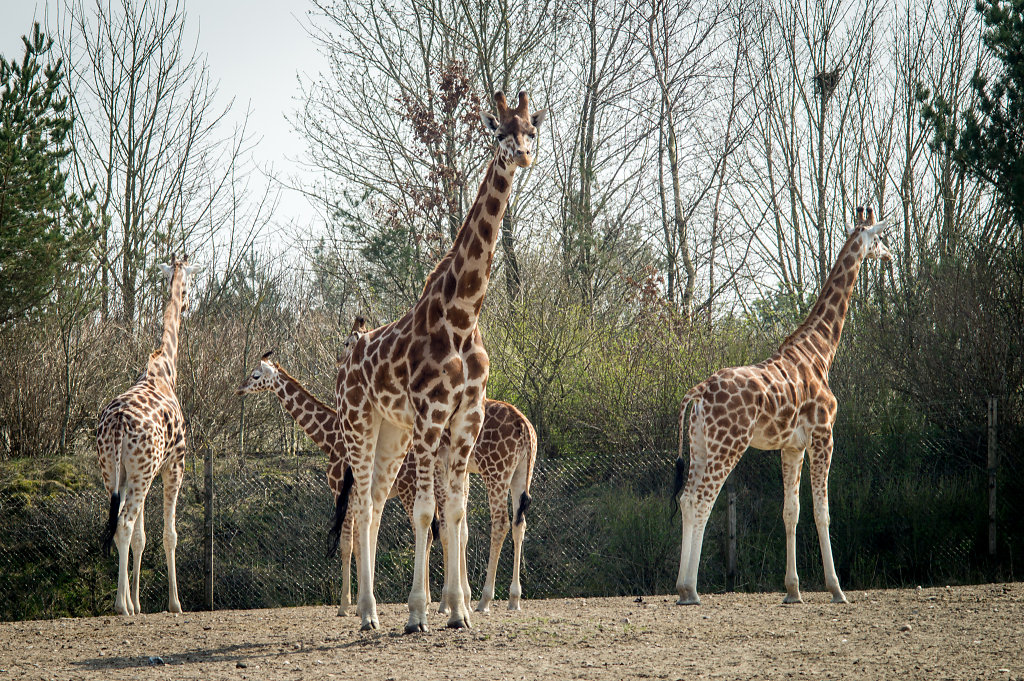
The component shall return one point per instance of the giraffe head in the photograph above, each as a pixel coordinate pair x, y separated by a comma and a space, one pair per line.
358, 329
180, 269
515, 129
262, 378
871, 232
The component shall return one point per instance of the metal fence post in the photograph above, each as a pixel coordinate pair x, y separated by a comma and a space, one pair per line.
730, 573
993, 463
208, 525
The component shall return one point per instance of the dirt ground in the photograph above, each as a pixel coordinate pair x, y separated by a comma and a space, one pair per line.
974, 632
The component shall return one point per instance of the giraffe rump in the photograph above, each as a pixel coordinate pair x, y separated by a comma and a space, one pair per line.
340, 510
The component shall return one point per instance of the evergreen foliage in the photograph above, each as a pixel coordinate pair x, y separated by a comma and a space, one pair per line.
41, 219
989, 142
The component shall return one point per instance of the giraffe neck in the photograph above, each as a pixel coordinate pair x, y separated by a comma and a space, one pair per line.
168, 351
820, 332
460, 279
312, 415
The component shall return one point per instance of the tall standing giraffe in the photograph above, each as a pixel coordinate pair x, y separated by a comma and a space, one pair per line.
409, 380
142, 432
504, 457
782, 403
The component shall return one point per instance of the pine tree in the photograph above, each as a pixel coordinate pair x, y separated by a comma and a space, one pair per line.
990, 143
41, 220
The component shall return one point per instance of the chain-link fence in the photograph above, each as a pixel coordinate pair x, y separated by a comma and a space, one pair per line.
906, 509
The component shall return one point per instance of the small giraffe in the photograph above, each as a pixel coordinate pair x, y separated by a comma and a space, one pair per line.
782, 403
412, 379
142, 432
504, 456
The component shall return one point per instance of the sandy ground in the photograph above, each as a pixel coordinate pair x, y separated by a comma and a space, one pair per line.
974, 632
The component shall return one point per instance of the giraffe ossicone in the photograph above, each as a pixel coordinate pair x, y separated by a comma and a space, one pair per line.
140, 433
781, 403
410, 380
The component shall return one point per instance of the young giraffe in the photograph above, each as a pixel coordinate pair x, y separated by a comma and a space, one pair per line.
782, 403
142, 432
413, 378
504, 456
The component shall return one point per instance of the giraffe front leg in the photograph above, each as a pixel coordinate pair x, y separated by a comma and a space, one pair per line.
173, 476
464, 428
440, 501
792, 462
467, 591
821, 460
138, 545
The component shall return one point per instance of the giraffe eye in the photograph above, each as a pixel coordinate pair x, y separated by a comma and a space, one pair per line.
501, 138
532, 135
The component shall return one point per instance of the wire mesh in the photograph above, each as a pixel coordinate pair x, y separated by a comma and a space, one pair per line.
906, 509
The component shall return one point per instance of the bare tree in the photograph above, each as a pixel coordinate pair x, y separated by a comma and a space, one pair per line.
149, 136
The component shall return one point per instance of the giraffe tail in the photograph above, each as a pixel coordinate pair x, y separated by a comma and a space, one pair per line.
531, 459
524, 504
108, 534
340, 510
680, 465
115, 496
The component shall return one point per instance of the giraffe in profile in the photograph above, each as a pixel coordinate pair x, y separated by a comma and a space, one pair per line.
140, 433
409, 381
782, 403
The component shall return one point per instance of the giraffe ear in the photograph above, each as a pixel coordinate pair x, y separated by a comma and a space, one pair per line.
491, 122
192, 269
538, 117
878, 227
168, 270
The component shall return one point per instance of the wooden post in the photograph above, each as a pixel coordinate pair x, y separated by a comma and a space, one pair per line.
730, 573
208, 525
993, 464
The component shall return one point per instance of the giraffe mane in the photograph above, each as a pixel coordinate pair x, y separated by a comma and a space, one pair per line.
302, 389
831, 274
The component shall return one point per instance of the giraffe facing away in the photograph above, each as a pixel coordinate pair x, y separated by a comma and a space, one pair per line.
408, 381
782, 403
504, 456
142, 432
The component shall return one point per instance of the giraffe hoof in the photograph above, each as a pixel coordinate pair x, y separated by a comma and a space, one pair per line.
840, 598
688, 596
483, 606
790, 599
370, 625
514, 605
458, 623
413, 628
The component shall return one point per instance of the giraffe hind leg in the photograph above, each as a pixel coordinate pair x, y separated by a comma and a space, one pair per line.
138, 545
173, 476
515, 591
792, 462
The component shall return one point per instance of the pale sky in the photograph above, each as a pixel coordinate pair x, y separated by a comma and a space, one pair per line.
255, 49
